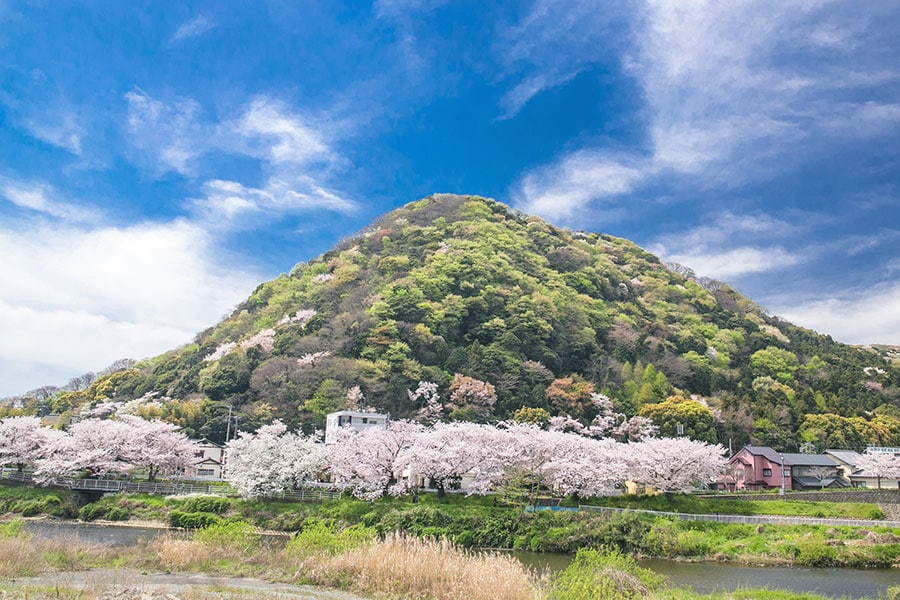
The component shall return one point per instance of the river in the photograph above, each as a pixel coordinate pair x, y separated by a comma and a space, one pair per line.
702, 577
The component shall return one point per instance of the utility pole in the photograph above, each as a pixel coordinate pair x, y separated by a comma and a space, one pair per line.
228, 426
781, 454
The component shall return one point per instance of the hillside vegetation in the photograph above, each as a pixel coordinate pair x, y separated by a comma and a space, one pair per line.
503, 311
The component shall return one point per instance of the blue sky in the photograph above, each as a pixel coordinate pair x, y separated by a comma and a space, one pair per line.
159, 160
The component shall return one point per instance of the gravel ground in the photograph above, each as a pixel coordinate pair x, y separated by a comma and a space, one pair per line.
131, 584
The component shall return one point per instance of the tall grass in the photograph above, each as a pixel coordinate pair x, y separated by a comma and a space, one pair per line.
414, 568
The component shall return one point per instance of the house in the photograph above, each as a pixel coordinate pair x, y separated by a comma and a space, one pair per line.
358, 421
208, 461
813, 471
849, 464
761, 468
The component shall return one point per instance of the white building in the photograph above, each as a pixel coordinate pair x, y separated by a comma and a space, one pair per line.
358, 421
208, 461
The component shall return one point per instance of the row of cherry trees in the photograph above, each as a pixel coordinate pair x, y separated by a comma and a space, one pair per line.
394, 459
96, 446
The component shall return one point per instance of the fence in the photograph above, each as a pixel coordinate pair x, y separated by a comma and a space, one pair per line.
748, 519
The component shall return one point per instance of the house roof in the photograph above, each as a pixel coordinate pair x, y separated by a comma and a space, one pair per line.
816, 482
208, 461
848, 457
808, 460
353, 413
764, 451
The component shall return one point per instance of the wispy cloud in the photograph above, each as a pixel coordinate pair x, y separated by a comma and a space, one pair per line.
42, 198
857, 316
60, 129
736, 92
166, 137
230, 204
561, 190
731, 246
192, 28
552, 43
294, 153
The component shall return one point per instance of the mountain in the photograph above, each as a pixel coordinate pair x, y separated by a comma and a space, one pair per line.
465, 292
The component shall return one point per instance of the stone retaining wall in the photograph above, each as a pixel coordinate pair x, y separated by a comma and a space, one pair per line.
877, 496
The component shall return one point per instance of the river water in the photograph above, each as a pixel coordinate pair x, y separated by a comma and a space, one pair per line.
702, 577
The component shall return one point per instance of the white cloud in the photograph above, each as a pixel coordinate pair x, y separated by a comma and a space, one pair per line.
41, 198
560, 190
730, 246
192, 28
167, 137
861, 316
273, 132
60, 129
734, 91
76, 299
230, 204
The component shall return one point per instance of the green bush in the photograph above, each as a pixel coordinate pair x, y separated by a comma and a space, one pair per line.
209, 504
195, 520
117, 513
234, 534
815, 553
317, 537
91, 512
594, 575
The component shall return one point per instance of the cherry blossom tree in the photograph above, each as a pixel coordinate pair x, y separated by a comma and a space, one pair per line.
674, 464
426, 395
445, 453
586, 467
100, 447
370, 460
271, 460
881, 465
158, 446
23, 441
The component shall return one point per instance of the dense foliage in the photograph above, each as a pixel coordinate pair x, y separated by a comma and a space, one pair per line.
502, 311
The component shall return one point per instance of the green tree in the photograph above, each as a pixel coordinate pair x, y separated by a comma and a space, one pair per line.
695, 420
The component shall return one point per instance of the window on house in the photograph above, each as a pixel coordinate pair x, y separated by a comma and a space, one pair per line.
202, 472
767, 472
365, 420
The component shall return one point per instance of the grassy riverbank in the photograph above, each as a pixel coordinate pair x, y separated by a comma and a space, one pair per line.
486, 523
356, 559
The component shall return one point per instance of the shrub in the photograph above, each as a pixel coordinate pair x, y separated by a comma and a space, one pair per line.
317, 537
208, 504
195, 520
594, 575
91, 512
117, 513
236, 535
814, 553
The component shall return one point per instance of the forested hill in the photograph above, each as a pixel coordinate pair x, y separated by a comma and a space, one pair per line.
502, 311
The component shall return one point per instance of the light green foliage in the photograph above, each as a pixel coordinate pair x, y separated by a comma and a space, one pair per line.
695, 419
238, 535
13, 529
774, 362
594, 575
317, 537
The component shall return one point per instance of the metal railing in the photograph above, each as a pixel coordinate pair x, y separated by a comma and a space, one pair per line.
748, 519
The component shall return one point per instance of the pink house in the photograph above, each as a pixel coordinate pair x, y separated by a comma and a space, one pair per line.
759, 468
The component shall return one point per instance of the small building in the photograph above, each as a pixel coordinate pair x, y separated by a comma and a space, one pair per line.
208, 461
763, 468
849, 464
358, 421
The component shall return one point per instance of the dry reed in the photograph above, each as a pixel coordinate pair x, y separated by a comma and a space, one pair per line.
416, 569
22, 556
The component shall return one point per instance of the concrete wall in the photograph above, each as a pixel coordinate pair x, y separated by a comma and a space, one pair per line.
879, 496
